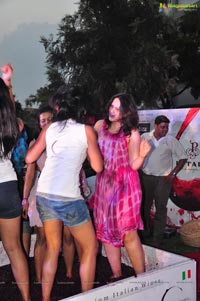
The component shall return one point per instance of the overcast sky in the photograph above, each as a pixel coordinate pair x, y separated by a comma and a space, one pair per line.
22, 23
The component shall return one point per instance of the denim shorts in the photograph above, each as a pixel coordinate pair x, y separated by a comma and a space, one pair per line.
71, 213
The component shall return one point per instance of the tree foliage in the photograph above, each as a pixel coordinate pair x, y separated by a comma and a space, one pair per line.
187, 45
112, 46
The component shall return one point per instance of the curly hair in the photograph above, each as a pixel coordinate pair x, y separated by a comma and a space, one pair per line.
128, 110
9, 129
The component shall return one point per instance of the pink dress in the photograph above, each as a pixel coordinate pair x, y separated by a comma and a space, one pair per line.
117, 198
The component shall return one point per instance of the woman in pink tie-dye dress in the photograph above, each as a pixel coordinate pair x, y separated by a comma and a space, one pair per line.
117, 198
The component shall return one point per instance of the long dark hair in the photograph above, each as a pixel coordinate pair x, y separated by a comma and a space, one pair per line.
128, 110
9, 129
68, 101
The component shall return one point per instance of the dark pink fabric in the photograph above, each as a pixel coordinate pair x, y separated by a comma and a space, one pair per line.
117, 198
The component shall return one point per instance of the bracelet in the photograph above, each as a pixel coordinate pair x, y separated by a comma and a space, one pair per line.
24, 202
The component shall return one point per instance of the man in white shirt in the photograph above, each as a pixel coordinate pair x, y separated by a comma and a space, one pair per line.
157, 175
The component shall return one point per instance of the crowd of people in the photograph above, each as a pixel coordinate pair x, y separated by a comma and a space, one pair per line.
51, 199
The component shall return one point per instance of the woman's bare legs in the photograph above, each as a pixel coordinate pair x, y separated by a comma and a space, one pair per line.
10, 236
26, 240
135, 251
114, 257
68, 251
39, 251
53, 233
78, 249
88, 253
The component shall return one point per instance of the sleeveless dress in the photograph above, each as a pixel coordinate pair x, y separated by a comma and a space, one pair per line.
117, 198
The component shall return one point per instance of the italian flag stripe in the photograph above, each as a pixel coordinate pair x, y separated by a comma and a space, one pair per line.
186, 274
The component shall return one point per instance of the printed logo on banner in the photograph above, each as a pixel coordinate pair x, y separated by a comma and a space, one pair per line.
193, 151
173, 293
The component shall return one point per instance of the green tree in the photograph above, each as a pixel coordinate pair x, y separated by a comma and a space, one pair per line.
41, 97
109, 46
187, 46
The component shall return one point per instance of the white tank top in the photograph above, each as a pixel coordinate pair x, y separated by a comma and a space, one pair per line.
66, 147
7, 172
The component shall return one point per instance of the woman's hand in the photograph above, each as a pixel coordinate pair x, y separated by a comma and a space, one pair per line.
145, 148
7, 72
138, 150
25, 208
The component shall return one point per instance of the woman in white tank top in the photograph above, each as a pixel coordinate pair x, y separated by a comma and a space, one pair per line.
59, 199
10, 203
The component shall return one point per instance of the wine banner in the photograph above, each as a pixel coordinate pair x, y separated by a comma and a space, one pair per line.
184, 202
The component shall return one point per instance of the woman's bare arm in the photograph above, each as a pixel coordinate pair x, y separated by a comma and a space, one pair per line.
29, 177
38, 147
98, 125
28, 182
138, 149
94, 154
